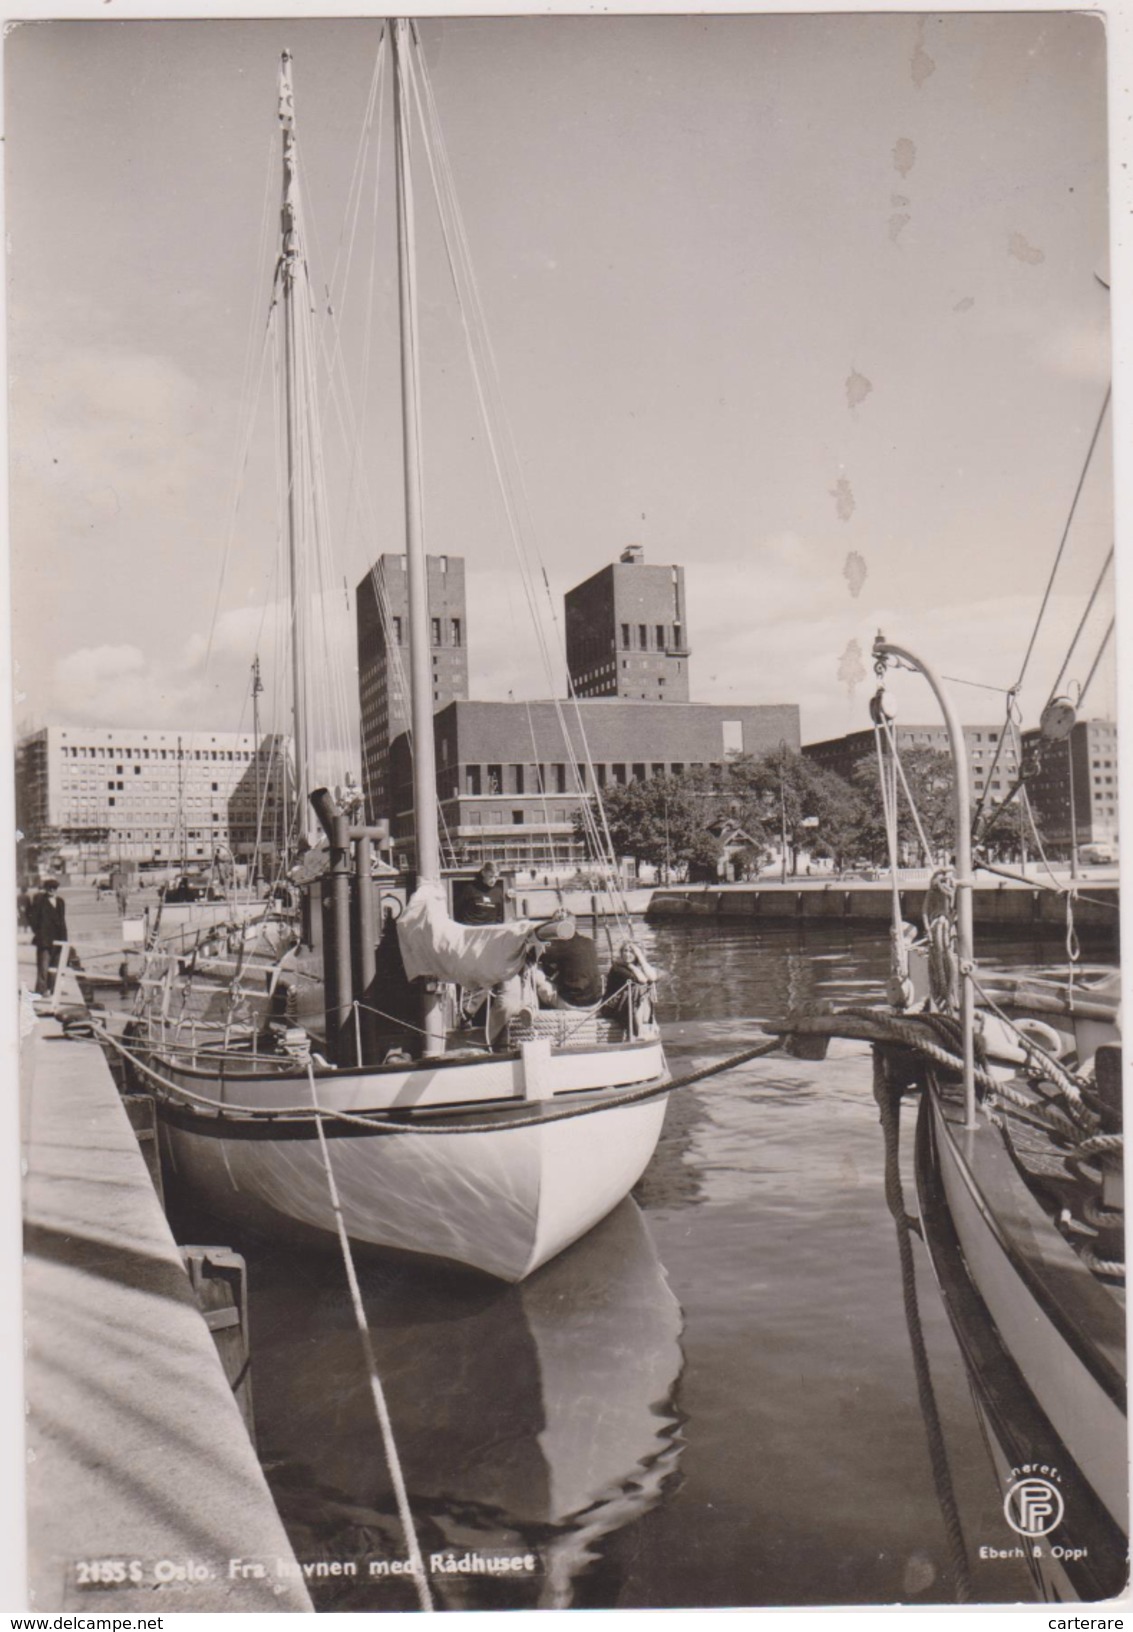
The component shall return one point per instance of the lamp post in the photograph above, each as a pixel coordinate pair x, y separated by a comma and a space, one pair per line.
782, 811
1073, 808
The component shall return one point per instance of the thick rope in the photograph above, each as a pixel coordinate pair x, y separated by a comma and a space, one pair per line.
393, 1461
868, 1027
889, 1107
372, 1124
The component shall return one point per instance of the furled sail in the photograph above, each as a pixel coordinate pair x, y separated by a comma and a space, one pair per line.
432, 944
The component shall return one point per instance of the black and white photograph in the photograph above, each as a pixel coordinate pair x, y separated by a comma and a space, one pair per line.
566, 811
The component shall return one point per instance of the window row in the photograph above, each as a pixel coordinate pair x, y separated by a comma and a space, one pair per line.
651, 637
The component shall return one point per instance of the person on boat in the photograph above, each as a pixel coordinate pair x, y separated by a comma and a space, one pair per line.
47, 916
282, 1016
480, 900
570, 966
629, 983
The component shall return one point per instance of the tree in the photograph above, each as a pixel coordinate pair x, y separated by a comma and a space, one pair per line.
932, 783
783, 793
663, 821
1007, 833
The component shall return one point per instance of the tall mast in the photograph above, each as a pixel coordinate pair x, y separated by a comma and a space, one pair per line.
257, 687
420, 668
181, 804
289, 272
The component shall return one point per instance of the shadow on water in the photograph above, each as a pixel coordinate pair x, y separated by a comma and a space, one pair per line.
535, 1418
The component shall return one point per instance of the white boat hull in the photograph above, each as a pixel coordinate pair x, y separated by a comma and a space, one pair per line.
502, 1201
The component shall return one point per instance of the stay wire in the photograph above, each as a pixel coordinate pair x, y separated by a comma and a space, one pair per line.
1065, 536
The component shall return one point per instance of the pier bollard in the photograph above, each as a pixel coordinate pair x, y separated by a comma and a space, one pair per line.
219, 1279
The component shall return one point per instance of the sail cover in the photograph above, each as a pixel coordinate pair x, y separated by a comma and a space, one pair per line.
432, 944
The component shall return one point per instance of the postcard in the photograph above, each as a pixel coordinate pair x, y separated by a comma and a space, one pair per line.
567, 811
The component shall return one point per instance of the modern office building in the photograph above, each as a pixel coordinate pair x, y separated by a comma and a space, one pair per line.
510, 776
1075, 788
627, 632
100, 795
991, 774
382, 601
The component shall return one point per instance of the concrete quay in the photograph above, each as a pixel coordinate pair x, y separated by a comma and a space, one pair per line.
1003, 905
138, 1462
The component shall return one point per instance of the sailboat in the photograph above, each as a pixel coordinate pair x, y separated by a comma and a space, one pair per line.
1019, 1177
492, 1147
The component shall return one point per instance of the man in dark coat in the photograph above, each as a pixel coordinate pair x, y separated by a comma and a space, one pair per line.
572, 968
480, 900
48, 919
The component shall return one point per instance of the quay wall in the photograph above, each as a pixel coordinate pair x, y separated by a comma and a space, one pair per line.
1004, 906
143, 1487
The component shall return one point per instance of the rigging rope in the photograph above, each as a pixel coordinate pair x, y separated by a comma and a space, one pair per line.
1081, 625
1101, 652
1065, 536
393, 1461
505, 462
1013, 691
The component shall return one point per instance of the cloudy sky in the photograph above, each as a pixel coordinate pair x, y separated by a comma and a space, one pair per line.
808, 304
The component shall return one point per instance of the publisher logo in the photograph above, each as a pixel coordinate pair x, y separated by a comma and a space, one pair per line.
1033, 1507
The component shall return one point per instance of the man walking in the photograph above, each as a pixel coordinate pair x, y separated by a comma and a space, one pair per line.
48, 919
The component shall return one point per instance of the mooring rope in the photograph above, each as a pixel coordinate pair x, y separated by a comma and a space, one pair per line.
889, 1106
393, 1460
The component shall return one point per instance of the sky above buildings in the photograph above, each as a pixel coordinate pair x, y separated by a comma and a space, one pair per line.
807, 304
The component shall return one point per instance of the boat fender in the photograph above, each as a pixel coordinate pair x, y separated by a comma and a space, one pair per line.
1006, 1042
1038, 1032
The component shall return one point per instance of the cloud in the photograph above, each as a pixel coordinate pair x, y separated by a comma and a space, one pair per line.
113, 685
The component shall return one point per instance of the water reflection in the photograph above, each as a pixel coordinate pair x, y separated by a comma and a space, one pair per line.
535, 1417
769, 1356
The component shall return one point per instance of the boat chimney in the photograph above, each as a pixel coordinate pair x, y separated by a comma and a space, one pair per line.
337, 961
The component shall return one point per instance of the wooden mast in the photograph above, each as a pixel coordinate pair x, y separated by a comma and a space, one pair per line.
420, 669
289, 270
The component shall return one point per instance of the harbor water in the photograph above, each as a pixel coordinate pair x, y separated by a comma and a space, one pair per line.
710, 1400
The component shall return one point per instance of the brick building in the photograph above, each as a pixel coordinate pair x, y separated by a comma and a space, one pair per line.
841, 754
107, 794
627, 632
507, 782
1088, 761
382, 602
